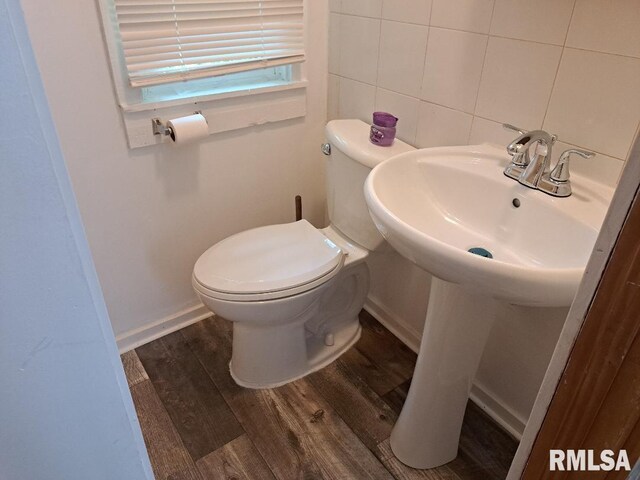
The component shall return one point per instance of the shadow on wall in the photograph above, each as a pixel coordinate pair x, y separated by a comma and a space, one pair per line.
178, 169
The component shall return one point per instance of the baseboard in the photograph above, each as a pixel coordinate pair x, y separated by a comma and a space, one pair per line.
139, 336
480, 395
393, 323
502, 415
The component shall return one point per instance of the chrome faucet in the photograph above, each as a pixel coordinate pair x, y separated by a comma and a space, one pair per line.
524, 167
541, 143
531, 162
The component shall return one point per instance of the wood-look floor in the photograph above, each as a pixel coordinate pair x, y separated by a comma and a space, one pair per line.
334, 424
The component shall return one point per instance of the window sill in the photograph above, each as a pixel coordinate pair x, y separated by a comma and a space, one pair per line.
199, 99
224, 111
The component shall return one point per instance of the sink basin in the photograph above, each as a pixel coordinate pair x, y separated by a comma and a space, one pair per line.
433, 205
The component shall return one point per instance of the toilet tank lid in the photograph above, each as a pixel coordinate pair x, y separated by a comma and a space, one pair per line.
351, 137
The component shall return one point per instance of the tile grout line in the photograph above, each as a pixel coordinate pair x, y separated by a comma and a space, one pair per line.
601, 52
489, 36
339, 60
495, 35
473, 115
484, 62
555, 78
568, 143
421, 100
375, 92
424, 72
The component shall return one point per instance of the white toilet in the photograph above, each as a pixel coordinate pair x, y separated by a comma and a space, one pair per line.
294, 292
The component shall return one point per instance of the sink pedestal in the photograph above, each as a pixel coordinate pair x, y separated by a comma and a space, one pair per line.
458, 323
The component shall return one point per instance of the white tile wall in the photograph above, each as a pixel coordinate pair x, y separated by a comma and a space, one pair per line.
409, 11
602, 167
483, 130
333, 95
334, 42
467, 15
607, 121
454, 70
403, 107
401, 59
441, 126
359, 43
364, 8
606, 27
516, 81
545, 21
356, 99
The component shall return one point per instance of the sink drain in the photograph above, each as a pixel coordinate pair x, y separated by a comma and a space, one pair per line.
483, 252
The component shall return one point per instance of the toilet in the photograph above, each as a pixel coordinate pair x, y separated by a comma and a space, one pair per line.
293, 292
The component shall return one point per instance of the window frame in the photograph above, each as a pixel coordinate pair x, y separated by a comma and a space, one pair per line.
292, 94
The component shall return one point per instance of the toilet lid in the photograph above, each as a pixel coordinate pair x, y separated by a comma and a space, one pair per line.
267, 259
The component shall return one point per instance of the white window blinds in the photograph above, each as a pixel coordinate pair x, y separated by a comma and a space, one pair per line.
170, 40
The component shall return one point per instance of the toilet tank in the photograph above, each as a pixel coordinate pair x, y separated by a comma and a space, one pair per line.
352, 157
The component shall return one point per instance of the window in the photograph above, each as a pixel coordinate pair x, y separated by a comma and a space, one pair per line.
234, 82
165, 41
167, 53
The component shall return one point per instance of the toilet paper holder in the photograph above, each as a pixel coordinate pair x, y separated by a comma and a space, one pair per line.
160, 128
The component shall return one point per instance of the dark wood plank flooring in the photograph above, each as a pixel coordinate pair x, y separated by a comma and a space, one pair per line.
334, 424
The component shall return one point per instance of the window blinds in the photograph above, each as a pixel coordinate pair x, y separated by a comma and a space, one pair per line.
170, 40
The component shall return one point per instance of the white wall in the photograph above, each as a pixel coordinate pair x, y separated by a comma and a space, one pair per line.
150, 213
453, 71
66, 412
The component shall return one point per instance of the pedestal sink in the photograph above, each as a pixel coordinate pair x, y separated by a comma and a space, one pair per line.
435, 206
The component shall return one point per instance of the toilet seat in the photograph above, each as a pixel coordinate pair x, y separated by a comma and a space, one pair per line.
267, 263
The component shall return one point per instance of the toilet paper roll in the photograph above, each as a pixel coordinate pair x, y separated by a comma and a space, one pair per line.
188, 129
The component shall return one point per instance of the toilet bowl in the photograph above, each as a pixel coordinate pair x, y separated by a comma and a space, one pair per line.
284, 333
293, 292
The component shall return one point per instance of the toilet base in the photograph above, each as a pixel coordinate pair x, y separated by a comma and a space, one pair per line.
319, 355
281, 340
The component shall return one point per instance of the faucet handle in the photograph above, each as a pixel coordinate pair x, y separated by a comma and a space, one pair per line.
508, 126
561, 171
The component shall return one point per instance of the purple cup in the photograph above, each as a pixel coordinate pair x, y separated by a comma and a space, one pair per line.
384, 119
383, 130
